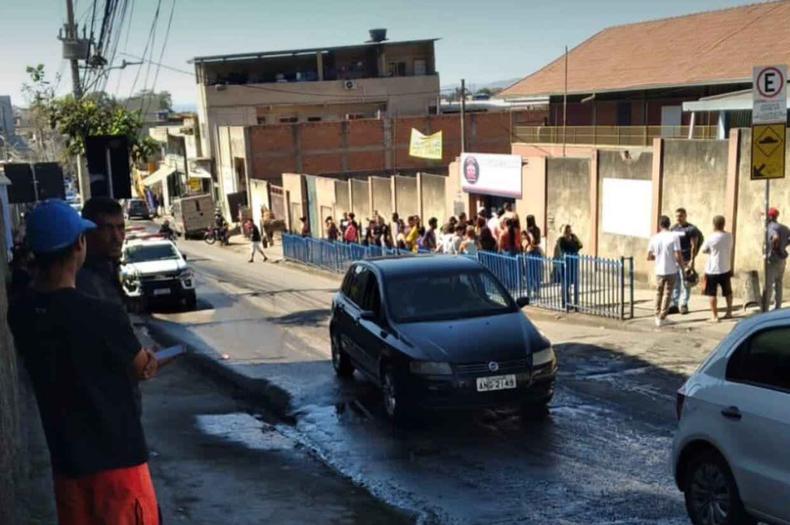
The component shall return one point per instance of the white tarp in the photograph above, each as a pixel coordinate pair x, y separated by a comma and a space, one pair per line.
489, 174
626, 207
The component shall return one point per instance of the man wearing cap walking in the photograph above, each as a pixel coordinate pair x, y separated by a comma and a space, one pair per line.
776, 252
84, 362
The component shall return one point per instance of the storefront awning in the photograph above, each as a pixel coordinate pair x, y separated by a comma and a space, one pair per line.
159, 175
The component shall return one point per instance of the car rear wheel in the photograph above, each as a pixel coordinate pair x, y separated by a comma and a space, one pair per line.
711, 493
340, 361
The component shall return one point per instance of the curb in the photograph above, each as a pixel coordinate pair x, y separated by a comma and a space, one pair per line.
204, 357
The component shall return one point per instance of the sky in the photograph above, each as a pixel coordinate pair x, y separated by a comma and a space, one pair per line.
481, 41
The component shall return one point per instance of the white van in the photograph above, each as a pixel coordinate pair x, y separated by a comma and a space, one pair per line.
193, 215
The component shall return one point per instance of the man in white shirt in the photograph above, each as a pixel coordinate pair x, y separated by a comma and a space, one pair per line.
664, 249
718, 270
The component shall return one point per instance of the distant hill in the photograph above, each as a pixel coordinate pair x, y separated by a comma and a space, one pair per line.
476, 86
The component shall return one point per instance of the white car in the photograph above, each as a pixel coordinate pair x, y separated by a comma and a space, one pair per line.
153, 270
731, 452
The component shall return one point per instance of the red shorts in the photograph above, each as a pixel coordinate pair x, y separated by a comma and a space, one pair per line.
122, 496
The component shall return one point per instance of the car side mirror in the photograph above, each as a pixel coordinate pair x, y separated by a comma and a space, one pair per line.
522, 302
184, 256
367, 315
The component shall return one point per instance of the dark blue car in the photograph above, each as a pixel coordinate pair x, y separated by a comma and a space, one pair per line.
439, 332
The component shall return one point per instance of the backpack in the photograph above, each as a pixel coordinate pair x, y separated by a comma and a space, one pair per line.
350, 235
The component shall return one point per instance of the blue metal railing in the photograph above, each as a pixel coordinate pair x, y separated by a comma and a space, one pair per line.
574, 283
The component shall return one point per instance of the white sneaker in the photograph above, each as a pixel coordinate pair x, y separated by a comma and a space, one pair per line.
659, 322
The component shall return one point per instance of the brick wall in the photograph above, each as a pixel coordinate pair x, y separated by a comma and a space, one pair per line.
371, 144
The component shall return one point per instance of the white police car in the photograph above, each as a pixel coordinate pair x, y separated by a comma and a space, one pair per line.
154, 271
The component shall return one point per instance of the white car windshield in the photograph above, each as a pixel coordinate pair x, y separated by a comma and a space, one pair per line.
154, 252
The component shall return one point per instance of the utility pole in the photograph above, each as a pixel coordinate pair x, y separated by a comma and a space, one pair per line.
565, 104
75, 49
71, 35
463, 115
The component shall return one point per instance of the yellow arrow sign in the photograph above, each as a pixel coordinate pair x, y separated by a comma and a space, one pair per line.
768, 151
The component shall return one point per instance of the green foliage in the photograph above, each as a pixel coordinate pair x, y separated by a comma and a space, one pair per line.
93, 114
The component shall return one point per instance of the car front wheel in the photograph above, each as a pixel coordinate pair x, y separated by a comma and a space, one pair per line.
340, 361
711, 493
396, 405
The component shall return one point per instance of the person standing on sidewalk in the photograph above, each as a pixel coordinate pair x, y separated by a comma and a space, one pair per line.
718, 270
665, 250
778, 237
98, 277
690, 241
84, 362
255, 241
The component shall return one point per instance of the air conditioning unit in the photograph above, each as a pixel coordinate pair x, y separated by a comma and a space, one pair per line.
349, 84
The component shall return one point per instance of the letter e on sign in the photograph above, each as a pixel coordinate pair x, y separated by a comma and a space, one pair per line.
769, 94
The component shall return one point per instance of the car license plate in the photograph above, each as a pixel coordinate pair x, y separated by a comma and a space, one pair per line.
487, 384
162, 291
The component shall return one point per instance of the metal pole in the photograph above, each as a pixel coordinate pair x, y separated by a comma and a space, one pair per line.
108, 160
71, 34
83, 180
565, 103
463, 115
766, 293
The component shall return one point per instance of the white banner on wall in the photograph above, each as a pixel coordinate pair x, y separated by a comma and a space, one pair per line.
626, 207
489, 174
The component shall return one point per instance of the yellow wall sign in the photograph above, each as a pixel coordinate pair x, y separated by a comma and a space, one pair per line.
425, 146
195, 185
768, 151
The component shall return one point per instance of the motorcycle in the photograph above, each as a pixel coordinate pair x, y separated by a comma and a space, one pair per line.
215, 234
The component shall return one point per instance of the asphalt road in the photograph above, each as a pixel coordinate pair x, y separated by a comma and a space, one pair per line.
217, 459
600, 457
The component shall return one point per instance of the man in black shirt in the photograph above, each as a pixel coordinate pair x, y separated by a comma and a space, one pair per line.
84, 362
690, 242
98, 277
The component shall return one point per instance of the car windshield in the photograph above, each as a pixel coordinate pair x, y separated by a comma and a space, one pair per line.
413, 298
136, 205
154, 252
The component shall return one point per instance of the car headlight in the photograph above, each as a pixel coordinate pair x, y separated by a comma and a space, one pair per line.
430, 368
186, 273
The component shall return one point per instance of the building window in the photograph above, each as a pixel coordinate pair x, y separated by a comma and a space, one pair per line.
261, 120
397, 69
314, 119
289, 120
432, 109
420, 67
354, 116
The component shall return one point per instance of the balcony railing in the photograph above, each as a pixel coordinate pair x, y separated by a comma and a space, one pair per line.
609, 135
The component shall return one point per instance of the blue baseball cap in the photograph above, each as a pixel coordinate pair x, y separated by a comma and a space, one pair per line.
54, 225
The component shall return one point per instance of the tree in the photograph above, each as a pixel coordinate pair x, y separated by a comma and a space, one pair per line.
93, 114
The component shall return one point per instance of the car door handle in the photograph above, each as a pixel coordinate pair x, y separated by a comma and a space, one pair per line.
732, 413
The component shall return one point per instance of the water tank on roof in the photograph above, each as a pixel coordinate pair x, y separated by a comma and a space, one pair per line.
378, 35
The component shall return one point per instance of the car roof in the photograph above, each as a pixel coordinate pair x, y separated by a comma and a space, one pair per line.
749, 323
149, 242
419, 264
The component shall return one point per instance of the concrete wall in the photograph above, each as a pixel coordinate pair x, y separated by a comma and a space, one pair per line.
750, 230
695, 178
381, 195
533, 199
567, 200
342, 200
293, 184
432, 192
259, 199
360, 198
406, 199
637, 165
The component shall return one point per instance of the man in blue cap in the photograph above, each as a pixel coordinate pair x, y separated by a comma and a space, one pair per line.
84, 362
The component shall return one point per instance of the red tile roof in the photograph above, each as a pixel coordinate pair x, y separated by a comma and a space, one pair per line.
715, 47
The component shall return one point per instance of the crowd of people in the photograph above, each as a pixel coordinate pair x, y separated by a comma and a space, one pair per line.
498, 231
675, 249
